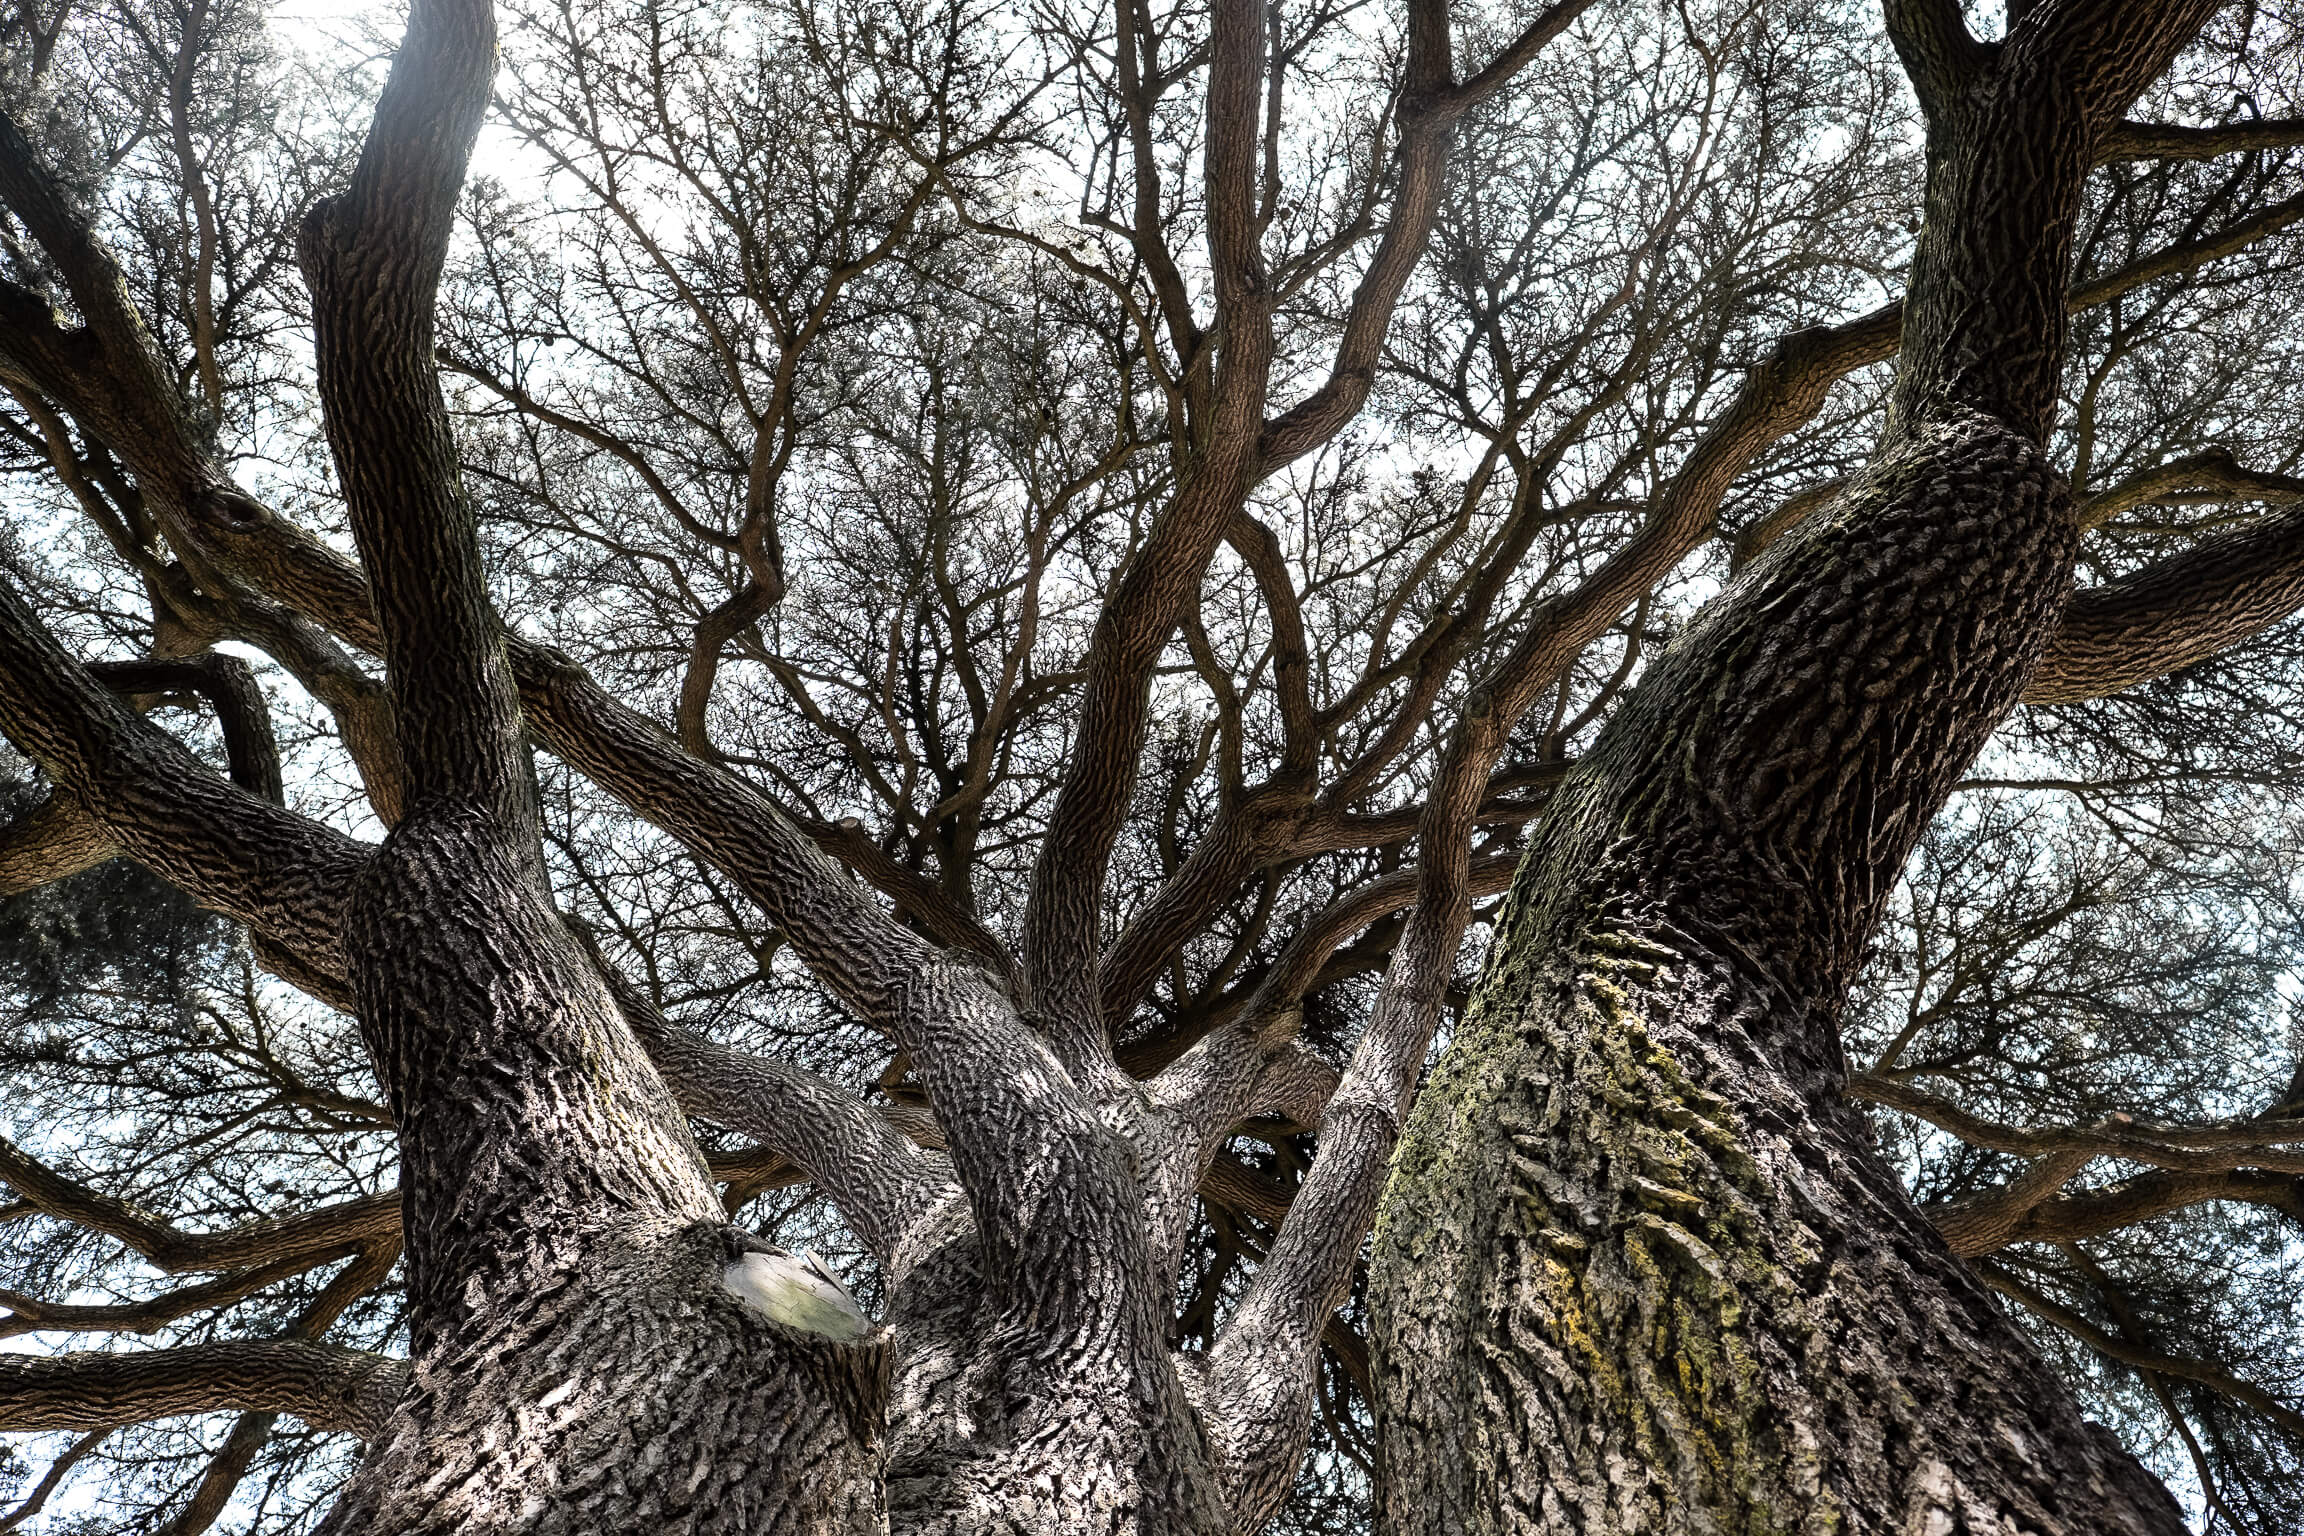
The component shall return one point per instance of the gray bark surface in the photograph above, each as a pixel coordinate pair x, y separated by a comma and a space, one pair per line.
1638, 1269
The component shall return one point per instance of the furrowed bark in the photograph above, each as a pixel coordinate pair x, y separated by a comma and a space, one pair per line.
565, 1254
52, 841
1639, 1268
559, 1213
1063, 919
1648, 1076
881, 1183
232, 850
2177, 612
1033, 1338
1015, 1353
58, 837
996, 1088
327, 1387
1261, 1371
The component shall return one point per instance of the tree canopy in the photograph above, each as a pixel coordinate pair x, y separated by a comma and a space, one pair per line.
1009, 585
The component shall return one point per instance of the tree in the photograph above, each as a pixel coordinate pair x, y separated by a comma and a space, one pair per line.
977, 601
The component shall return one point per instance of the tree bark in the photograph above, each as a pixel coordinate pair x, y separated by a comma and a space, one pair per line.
1639, 1268
1701, 1299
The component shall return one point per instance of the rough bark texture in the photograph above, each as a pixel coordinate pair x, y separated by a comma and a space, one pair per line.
578, 1362
614, 1384
1703, 1305
1033, 1386
1639, 1269
1702, 1301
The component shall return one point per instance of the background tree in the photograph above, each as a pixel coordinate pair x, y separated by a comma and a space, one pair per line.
1051, 557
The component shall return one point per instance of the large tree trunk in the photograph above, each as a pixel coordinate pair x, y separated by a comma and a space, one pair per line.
989, 1432
1639, 1268
625, 1389
579, 1362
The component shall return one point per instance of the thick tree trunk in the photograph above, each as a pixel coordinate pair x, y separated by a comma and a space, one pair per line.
625, 1389
1640, 1269
990, 1432
579, 1362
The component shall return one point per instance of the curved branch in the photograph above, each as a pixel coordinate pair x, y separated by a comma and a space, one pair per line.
110, 373
2212, 1148
2189, 255
252, 756
2093, 1212
2140, 1358
314, 1235
240, 854
879, 1181
58, 838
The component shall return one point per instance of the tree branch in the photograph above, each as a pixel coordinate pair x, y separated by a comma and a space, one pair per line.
1940, 55
372, 257
2138, 1357
2167, 141
51, 841
312, 1236
240, 854
1986, 1225
2086, 1213
2213, 1148
2214, 471
2175, 613
328, 1387
1430, 105
875, 1176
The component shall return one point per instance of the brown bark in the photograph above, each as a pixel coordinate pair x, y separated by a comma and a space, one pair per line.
565, 1255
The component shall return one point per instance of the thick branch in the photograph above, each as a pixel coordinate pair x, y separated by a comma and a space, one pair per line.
2092, 1212
1986, 1225
314, 1235
1940, 55
328, 1387
880, 1182
2140, 1358
2213, 473
2176, 612
252, 756
372, 257
2190, 255
2166, 141
51, 841
234, 851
